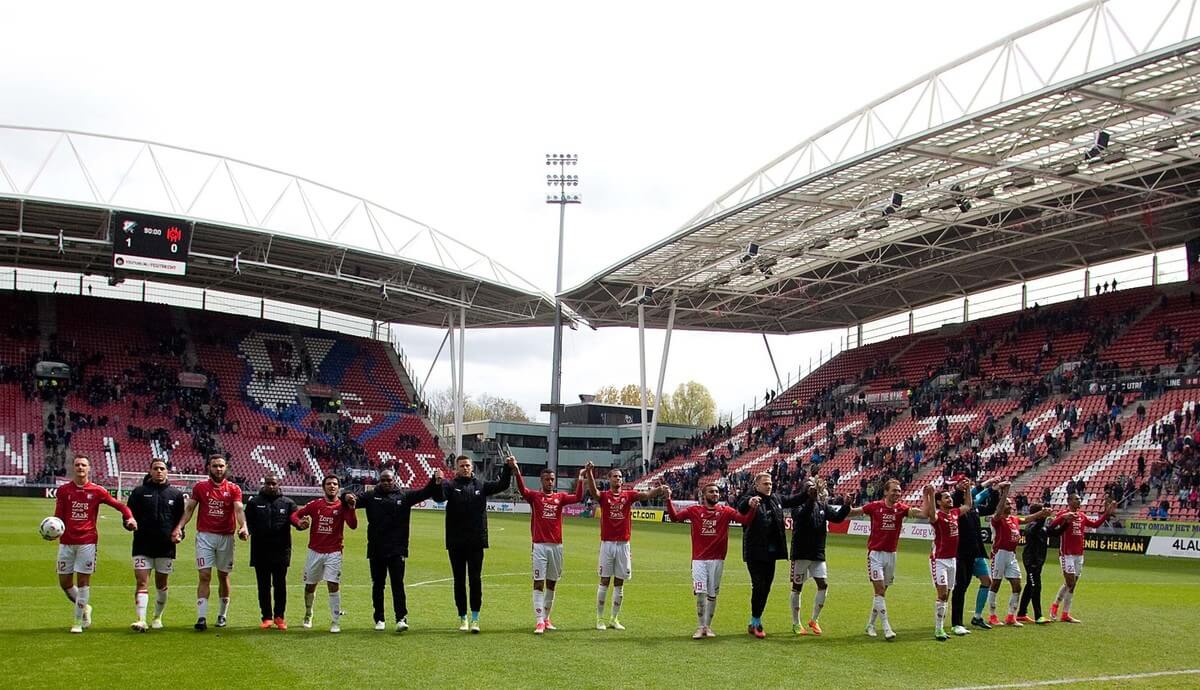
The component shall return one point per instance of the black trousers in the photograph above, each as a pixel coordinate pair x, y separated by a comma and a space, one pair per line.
1032, 594
272, 576
762, 574
962, 582
381, 568
464, 564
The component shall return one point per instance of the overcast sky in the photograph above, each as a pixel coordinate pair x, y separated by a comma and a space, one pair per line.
444, 111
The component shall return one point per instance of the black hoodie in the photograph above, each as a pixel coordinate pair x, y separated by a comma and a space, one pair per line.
157, 509
269, 521
388, 519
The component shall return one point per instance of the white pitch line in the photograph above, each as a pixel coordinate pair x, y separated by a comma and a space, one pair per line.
1068, 681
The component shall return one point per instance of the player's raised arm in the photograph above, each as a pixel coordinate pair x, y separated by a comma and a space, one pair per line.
1004, 487
590, 471
579, 486
927, 505
188, 509
1110, 509
506, 474
510, 466
348, 514
656, 492
969, 497
671, 513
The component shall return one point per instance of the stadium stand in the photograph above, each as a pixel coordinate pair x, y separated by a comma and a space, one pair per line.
126, 402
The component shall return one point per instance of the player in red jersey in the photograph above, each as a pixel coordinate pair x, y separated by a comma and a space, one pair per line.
1006, 537
545, 526
887, 516
328, 517
221, 514
710, 544
77, 504
939, 509
616, 525
1070, 551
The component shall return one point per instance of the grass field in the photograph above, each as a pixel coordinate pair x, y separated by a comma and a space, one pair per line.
1141, 615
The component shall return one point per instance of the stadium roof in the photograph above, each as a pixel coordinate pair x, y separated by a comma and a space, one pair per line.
1070, 143
258, 232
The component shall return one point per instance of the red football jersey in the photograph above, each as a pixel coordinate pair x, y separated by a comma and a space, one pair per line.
616, 518
214, 506
945, 534
329, 519
710, 529
77, 507
885, 525
545, 524
1072, 537
1006, 533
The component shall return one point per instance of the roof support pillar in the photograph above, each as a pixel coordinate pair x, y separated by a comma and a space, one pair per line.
778, 381
642, 380
1087, 282
662, 374
1024, 296
1154, 269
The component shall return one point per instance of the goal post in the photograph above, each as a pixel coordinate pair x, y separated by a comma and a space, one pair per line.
126, 481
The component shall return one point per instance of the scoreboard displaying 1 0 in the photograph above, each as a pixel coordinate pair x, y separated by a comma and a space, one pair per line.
150, 243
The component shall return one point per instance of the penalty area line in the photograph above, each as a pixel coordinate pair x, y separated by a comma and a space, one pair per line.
1093, 679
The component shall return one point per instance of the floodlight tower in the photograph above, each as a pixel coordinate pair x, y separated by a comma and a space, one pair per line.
560, 194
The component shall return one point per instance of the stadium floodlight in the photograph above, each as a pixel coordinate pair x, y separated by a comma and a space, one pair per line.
1099, 145
765, 266
877, 224
820, 244
1164, 145
1067, 169
562, 181
645, 295
850, 234
985, 191
750, 253
890, 205
1021, 181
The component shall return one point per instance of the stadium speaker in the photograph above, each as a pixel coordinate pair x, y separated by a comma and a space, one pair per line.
751, 252
1101, 143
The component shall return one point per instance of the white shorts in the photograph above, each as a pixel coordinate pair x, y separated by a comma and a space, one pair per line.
943, 571
1004, 565
76, 558
214, 551
802, 570
159, 565
615, 560
706, 577
1071, 564
546, 561
881, 566
325, 567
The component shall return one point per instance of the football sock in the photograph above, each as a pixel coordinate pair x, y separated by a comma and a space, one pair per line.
881, 606
1061, 592
71, 593
1066, 607
160, 602
874, 612
991, 602
601, 595
795, 607
309, 597
701, 608
539, 605
202, 607
709, 611
755, 621
939, 615
981, 598
81, 601
617, 596
335, 606
819, 603
1013, 600
475, 615
224, 610
140, 600
549, 601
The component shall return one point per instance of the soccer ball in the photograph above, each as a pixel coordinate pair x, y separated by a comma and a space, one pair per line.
51, 528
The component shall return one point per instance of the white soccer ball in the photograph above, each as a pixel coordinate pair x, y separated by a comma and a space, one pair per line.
51, 528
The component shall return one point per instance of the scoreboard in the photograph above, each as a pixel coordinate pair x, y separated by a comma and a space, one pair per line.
150, 243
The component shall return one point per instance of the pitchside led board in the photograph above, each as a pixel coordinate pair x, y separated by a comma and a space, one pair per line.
150, 243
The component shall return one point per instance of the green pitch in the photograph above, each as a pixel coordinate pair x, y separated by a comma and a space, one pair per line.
1140, 616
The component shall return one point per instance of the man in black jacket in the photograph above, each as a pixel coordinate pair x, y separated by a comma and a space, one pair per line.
465, 496
763, 543
811, 514
269, 519
389, 509
1034, 556
157, 507
972, 556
